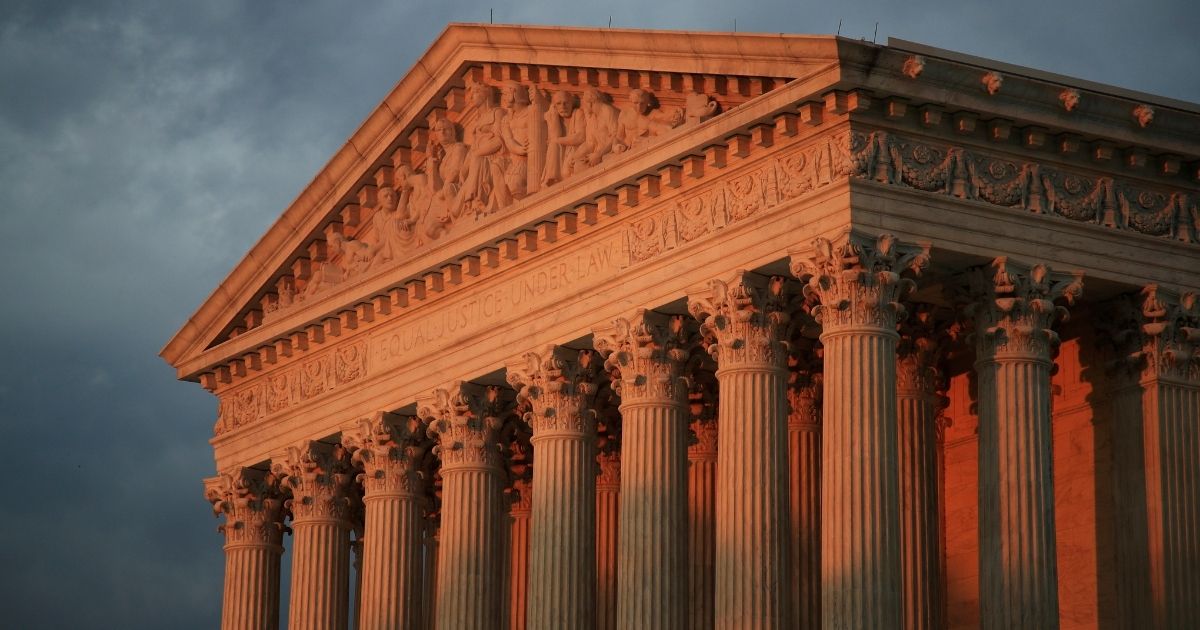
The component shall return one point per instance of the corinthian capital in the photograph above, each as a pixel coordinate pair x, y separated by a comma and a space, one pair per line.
465, 421
252, 502
1013, 307
648, 351
859, 280
743, 319
805, 383
560, 386
1157, 332
924, 337
320, 478
388, 448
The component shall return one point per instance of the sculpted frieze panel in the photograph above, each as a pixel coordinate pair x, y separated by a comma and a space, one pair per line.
291, 386
970, 174
512, 139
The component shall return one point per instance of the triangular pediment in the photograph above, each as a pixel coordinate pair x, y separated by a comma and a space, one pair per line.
489, 119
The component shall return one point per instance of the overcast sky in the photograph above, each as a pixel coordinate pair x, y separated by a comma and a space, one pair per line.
144, 146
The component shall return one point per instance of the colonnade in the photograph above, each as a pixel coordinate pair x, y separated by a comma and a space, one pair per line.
770, 462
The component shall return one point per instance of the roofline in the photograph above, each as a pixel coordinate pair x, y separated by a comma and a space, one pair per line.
1042, 75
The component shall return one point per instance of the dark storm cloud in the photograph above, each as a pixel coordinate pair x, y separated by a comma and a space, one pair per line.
145, 146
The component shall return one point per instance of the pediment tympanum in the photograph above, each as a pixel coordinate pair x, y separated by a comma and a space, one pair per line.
490, 121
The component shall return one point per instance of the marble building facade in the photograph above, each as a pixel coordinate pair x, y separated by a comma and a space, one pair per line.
602, 328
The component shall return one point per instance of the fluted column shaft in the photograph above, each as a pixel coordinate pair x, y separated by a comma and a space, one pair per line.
744, 319
702, 504
465, 420
652, 589
320, 598
252, 504
920, 536
608, 493
387, 448
858, 283
1014, 312
320, 478
804, 457
860, 565
1171, 439
1129, 502
518, 558
559, 386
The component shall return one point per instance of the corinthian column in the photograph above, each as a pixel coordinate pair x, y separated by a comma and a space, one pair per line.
1013, 310
918, 405
858, 285
804, 458
1162, 483
253, 507
320, 479
702, 495
519, 498
559, 387
743, 319
464, 421
388, 448
647, 351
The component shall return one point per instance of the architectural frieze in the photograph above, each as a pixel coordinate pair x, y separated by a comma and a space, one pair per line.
1027, 183
252, 502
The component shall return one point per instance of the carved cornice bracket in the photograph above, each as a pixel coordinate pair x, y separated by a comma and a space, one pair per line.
859, 280
1013, 308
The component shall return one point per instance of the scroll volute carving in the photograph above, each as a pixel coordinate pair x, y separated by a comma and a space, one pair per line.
465, 420
1157, 334
559, 387
744, 320
388, 448
320, 478
859, 280
1013, 307
646, 353
253, 504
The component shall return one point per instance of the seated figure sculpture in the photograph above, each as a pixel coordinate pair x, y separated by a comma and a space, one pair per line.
639, 121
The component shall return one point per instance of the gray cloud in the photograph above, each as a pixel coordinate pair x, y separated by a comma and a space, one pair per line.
148, 145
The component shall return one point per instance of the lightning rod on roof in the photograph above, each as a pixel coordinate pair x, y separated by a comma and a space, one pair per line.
839, 26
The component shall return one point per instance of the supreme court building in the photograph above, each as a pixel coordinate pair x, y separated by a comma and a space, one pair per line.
600, 328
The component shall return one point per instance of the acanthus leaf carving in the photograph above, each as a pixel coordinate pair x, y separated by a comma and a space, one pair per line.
560, 387
1013, 307
859, 280
465, 420
388, 448
320, 478
702, 407
1157, 334
646, 353
743, 319
253, 504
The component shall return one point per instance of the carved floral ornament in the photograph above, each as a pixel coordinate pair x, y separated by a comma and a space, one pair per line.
1013, 307
253, 504
858, 281
559, 386
647, 352
320, 478
743, 320
465, 421
1157, 334
512, 140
